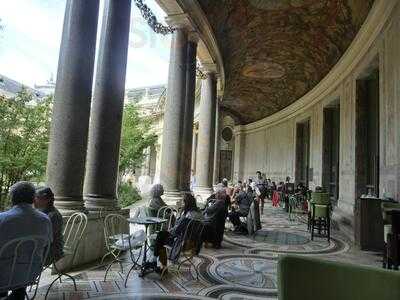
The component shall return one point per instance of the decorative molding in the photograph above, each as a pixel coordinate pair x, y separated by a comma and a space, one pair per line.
372, 27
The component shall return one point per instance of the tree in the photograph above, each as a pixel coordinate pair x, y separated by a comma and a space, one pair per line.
24, 137
136, 136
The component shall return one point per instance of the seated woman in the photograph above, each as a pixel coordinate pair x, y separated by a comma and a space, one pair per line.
175, 235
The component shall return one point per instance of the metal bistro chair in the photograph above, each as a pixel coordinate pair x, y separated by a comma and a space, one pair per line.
118, 242
23, 269
188, 248
73, 233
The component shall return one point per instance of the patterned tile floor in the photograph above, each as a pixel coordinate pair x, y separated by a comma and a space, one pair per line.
245, 268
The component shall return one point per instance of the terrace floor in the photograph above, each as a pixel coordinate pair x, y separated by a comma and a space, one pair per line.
244, 268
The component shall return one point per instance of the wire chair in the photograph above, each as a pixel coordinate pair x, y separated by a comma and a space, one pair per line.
73, 233
191, 242
169, 213
24, 270
117, 242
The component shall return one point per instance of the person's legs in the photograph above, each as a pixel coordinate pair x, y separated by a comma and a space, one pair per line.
159, 249
18, 294
234, 218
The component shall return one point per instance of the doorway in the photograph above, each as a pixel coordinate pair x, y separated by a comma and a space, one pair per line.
225, 165
303, 152
330, 154
367, 135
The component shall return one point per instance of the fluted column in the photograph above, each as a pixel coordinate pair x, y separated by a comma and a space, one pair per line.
71, 110
107, 109
173, 117
206, 138
187, 136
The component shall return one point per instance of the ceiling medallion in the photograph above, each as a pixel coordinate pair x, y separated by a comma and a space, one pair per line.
264, 70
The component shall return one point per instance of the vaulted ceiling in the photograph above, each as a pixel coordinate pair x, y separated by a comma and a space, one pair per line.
275, 51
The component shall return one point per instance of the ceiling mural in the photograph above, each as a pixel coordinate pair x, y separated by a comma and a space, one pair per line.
275, 51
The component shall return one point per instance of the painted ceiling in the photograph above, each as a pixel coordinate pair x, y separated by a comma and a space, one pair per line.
275, 51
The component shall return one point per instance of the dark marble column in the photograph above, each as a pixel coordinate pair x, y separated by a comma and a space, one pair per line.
108, 101
187, 136
206, 138
173, 117
71, 110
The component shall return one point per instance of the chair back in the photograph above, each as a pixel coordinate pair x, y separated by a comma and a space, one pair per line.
114, 225
387, 218
73, 232
192, 238
168, 213
22, 261
320, 198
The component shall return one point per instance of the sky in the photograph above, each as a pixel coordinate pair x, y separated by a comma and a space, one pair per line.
31, 35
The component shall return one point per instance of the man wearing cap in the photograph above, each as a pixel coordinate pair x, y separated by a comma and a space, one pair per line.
44, 201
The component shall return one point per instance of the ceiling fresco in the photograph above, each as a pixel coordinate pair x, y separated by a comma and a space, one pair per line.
275, 51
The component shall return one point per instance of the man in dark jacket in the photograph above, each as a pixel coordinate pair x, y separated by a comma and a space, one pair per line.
214, 218
44, 201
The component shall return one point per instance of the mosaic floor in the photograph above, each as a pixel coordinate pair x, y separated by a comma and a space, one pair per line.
244, 268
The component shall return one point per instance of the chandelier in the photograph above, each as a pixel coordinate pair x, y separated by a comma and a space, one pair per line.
151, 19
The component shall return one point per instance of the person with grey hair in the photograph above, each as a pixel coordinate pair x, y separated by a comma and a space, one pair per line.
156, 202
22, 220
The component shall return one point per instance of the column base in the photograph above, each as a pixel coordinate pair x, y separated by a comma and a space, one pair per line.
202, 193
92, 246
100, 203
69, 205
173, 198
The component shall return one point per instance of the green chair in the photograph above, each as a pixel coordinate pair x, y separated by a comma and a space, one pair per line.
320, 214
387, 225
304, 278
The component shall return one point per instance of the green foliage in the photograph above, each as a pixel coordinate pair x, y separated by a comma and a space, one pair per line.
24, 137
135, 138
127, 194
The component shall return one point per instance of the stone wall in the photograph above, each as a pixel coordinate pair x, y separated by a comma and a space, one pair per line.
269, 145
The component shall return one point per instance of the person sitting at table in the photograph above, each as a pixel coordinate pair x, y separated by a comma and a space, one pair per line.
214, 218
44, 202
156, 202
174, 237
20, 221
240, 209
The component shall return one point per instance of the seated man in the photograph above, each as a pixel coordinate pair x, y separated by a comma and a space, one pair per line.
44, 201
242, 203
214, 218
22, 220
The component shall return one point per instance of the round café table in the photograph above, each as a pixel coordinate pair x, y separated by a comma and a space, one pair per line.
145, 267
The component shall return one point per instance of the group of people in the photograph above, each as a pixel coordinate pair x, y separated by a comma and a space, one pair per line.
32, 214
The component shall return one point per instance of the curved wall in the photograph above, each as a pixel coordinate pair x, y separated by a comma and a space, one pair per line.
269, 144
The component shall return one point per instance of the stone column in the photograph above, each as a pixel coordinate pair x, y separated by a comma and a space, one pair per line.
187, 136
217, 144
108, 101
238, 159
71, 110
173, 117
194, 148
206, 138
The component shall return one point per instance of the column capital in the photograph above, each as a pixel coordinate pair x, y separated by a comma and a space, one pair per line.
193, 37
209, 68
180, 21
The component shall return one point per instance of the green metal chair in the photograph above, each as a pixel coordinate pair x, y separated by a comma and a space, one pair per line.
387, 226
320, 214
